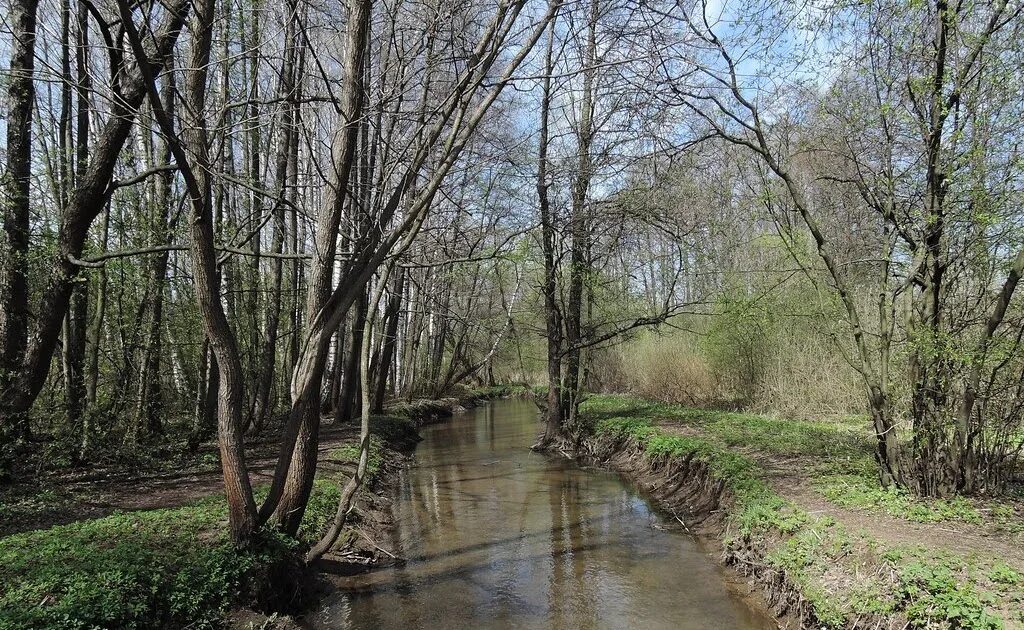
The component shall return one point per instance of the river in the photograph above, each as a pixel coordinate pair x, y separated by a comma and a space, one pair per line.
496, 536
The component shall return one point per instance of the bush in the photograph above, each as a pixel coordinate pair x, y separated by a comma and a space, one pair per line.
757, 353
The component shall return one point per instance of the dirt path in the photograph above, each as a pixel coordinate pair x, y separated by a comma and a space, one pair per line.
972, 539
788, 476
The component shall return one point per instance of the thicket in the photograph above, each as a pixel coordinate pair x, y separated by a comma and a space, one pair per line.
768, 342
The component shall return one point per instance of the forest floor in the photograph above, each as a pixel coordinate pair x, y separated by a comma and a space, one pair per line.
147, 546
179, 477
66, 496
809, 521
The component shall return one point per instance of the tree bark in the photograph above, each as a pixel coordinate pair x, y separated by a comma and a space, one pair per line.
85, 202
392, 315
287, 153
150, 393
552, 313
15, 185
579, 225
293, 479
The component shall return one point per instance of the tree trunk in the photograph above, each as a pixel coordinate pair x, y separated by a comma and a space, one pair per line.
84, 204
579, 225
552, 314
347, 401
238, 490
293, 479
392, 314
15, 185
287, 153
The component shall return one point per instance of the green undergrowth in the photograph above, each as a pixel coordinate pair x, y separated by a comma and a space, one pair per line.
173, 567
39, 501
845, 577
140, 569
349, 454
864, 491
155, 568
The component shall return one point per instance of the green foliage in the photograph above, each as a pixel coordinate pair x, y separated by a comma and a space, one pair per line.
740, 336
1002, 573
864, 492
143, 569
934, 594
322, 506
349, 454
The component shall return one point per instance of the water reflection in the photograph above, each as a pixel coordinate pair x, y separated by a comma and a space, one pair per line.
499, 537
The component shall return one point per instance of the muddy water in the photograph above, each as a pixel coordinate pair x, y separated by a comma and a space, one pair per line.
496, 536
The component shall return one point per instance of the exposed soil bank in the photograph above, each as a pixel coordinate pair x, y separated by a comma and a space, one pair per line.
784, 504
688, 489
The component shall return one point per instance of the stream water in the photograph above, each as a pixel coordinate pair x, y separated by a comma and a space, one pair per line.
496, 536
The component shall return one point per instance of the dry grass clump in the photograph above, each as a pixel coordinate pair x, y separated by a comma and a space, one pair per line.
790, 374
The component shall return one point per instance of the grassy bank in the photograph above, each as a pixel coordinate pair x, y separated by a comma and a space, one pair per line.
803, 514
169, 567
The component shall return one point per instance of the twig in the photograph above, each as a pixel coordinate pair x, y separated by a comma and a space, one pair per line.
375, 545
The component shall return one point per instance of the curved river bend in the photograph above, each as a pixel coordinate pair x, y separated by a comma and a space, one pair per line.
497, 536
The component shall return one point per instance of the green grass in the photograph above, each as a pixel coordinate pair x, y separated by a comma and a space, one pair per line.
132, 570
841, 576
848, 441
860, 491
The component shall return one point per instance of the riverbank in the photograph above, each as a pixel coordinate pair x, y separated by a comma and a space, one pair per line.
145, 550
795, 506
175, 566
